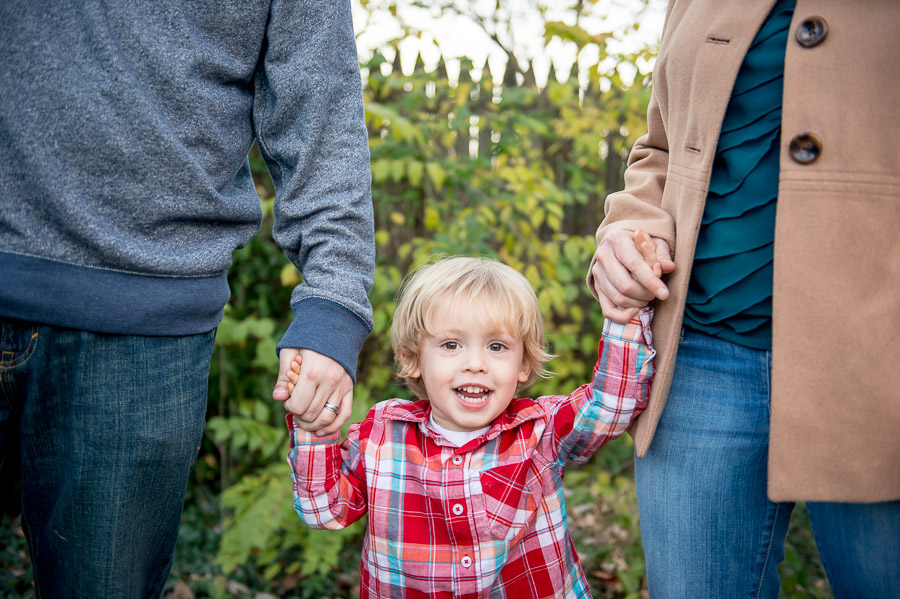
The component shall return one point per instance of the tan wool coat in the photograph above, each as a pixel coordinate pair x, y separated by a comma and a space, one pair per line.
835, 402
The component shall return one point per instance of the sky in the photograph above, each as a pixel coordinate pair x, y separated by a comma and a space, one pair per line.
456, 36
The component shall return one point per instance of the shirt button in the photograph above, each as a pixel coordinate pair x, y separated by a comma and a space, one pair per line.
805, 148
457, 460
812, 32
466, 561
458, 509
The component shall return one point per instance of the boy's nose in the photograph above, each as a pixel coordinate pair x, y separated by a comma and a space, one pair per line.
475, 361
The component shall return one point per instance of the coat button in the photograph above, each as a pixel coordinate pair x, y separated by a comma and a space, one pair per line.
466, 561
458, 509
457, 460
805, 148
812, 32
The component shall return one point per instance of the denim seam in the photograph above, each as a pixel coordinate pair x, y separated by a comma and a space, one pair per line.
768, 379
768, 382
762, 573
5, 391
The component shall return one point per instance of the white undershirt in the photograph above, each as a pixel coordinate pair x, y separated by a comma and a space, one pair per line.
458, 438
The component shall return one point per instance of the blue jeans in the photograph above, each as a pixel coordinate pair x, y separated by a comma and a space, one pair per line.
708, 528
106, 428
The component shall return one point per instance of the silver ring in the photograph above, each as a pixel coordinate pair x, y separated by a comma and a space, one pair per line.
330, 406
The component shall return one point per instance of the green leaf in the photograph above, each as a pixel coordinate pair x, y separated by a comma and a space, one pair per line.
261, 411
266, 356
414, 171
260, 327
230, 331
381, 169
397, 169
399, 125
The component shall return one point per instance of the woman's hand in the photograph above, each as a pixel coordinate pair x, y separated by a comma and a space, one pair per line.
623, 279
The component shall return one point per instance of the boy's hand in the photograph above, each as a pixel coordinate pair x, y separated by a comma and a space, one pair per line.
648, 250
626, 273
321, 397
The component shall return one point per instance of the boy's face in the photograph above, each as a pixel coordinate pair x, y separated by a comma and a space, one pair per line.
470, 372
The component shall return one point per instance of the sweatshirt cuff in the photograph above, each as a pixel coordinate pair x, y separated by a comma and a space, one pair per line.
329, 329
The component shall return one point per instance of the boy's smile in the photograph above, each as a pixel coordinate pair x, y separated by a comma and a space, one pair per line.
470, 371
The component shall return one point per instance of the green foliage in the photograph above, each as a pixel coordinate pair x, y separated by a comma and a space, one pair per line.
15, 566
802, 573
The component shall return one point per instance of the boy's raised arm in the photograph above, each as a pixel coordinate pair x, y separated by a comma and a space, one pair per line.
601, 411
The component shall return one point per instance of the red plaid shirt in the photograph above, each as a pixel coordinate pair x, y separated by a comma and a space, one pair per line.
487, 519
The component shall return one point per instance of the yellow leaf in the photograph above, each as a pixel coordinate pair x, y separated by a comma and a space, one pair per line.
487, 214
554, 222
545, 301
397, 218
549, 269
436, 174
432, 218
531, 273
551, 252
576, 313
289, 276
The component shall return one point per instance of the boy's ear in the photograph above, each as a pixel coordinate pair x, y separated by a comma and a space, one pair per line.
405, 361
524, 372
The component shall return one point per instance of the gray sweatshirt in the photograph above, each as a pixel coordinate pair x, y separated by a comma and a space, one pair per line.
124, 180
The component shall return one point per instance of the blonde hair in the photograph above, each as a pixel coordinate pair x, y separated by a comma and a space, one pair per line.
490, 291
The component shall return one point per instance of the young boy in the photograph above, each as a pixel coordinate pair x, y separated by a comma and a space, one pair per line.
464, 486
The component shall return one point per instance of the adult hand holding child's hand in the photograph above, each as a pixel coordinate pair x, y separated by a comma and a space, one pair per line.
625, 273
320, 396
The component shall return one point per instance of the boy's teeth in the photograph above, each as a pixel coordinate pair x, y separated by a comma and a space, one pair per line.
472, 392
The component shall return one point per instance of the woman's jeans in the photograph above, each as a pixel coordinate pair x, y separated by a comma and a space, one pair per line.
106, 428
708, 529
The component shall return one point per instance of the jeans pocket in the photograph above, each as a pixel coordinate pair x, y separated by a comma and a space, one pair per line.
509, 502
17, 343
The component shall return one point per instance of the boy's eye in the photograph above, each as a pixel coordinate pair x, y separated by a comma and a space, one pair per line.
450, 345
496, 346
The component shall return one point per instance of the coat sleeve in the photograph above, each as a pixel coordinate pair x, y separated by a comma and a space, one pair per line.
310, 126
640, 203
329, 481
601, 411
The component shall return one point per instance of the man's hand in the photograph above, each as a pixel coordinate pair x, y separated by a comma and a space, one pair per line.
624, 279
306, 390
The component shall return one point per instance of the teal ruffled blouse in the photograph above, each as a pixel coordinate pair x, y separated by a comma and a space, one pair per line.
730, 291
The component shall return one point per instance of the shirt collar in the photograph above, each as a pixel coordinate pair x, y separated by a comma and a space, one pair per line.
520, 410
